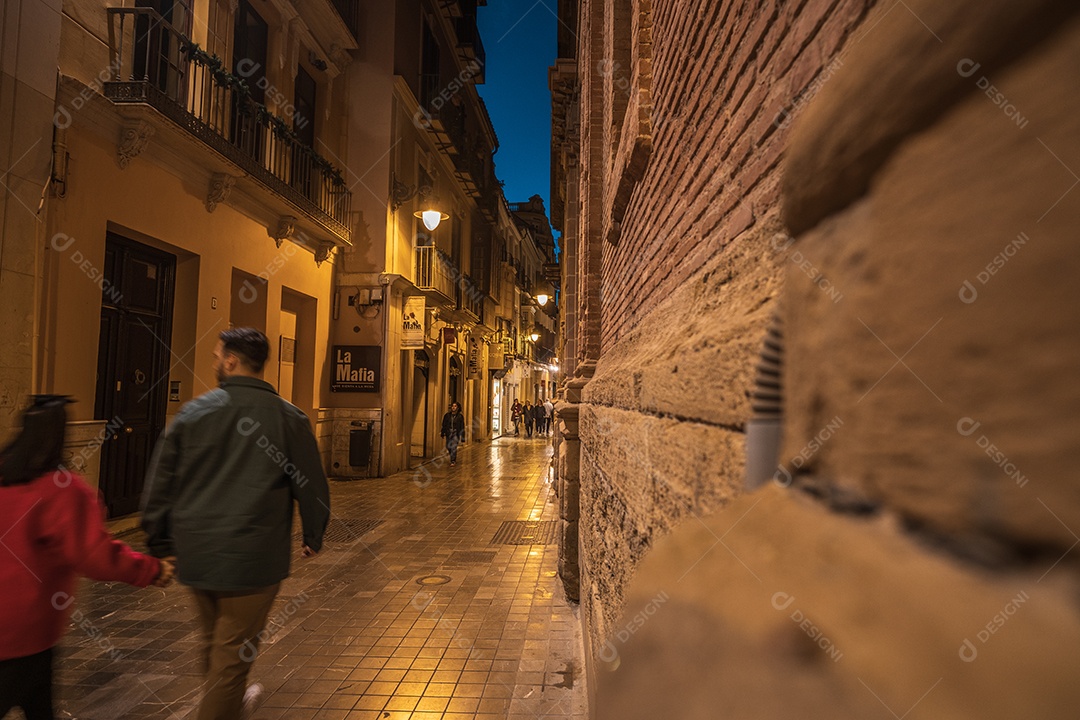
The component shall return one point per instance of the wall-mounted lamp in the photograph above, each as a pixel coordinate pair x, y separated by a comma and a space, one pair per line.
403, 193
544, 292
534, 336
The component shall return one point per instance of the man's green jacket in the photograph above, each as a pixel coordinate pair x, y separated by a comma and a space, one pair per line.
220, 488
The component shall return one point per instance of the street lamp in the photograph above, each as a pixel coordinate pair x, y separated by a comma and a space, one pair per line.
544, 292
430, 216
534, 336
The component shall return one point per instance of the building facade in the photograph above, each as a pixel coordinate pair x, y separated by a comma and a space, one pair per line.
177, 168
189, 177
816, 435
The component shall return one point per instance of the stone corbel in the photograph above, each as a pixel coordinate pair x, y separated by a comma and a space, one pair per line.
133, 139
341, 57
220, 187
323, 252
286, 228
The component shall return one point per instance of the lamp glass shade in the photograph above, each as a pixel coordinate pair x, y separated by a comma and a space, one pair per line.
534, 336
542, 298
431, 219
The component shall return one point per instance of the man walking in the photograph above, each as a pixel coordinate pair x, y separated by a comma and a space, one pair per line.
220, 493
549, 415
453, 429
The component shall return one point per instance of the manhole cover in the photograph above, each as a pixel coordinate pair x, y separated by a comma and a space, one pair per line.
471, 557
433, 580
346, 531
526, 532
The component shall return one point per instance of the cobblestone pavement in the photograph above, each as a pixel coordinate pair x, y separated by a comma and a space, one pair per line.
413, 610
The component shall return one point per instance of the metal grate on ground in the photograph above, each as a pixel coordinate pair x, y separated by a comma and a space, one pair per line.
526, 532
346, 531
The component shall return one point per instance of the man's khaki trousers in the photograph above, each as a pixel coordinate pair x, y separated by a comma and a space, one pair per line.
231, 624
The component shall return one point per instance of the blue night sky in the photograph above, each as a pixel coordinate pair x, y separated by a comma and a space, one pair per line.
519, 38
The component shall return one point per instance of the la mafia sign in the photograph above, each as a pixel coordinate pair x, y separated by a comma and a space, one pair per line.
356, 368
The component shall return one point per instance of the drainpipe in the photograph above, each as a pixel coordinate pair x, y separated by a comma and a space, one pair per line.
764, 430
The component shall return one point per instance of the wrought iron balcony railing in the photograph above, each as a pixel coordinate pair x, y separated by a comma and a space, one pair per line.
443, 112
154, 64
435, 272
470, 298
349, 10
470, 45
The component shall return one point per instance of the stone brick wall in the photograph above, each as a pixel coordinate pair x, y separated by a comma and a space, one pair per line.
678, 211
897, 181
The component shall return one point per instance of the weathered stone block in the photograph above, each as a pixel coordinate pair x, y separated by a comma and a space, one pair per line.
776, 608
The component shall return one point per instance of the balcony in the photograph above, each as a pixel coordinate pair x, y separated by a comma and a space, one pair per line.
349, 10
443, 114
470, 299
470, 46
471, 170
436, 275
156, 66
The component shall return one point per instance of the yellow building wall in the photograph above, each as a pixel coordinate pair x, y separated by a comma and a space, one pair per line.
148, 204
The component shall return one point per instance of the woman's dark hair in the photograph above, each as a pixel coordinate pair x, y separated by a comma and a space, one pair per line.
248, 344
39, 446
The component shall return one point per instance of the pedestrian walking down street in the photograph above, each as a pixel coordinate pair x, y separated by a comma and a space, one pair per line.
515, 417
52, 533
529, 414
453, 429
549, 416
220, 494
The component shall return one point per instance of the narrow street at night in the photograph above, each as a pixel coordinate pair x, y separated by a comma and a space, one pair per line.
414, 609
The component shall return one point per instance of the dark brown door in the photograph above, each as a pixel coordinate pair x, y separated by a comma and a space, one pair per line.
133, 365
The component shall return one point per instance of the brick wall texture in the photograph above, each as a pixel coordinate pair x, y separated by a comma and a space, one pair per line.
898, 182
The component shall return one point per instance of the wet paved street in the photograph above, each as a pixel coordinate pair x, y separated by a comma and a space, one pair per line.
410, 611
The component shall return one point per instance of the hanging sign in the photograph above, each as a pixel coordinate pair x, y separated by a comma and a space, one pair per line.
356, 368
449, 336
412, 324
474, 359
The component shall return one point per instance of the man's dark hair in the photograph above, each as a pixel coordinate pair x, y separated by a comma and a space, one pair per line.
248, 344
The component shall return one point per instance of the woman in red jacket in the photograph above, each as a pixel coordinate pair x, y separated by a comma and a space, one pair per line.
51, 531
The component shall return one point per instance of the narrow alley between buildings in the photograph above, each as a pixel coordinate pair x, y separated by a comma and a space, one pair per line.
435, 596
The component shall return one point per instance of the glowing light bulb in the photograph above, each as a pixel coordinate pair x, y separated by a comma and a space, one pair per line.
431, 219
